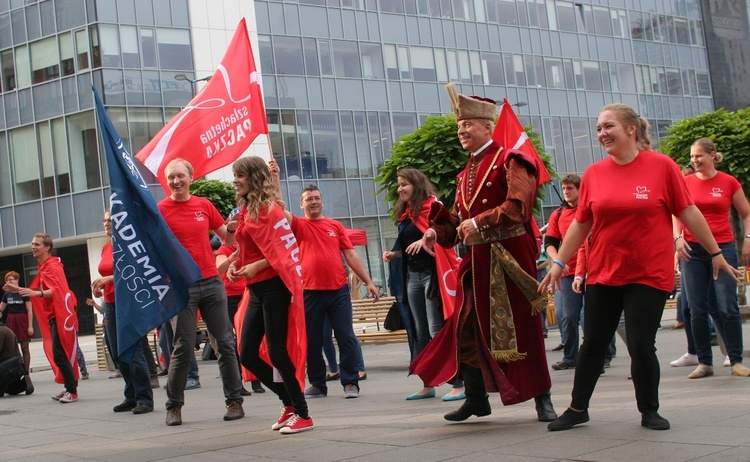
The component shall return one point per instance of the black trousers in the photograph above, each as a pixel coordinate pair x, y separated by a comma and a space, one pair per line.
643, 306
268, 314
61, 359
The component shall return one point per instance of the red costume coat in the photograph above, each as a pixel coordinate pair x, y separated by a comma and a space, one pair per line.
495, 205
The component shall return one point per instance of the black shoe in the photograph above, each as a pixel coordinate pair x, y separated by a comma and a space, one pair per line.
257, 387
559, 347
163, 373
245, 392
29, 385
569, 419
562, 365
143, 408
544, 410
478, 407
124, 406
654, 421
332, 377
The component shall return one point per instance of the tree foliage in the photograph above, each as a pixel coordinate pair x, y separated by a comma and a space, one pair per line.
220, 194
730, 132
434, 149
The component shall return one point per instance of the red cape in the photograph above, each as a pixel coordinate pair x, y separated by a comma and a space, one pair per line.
273, 235
446, 260
62, 306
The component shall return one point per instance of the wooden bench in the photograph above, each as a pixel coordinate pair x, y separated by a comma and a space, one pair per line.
368, 318
672, 302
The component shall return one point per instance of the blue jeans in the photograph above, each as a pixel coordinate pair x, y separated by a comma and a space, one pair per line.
165, 344
572, 304
135, 373
426, 312
697, 278
79, 357
329, 350
210, 297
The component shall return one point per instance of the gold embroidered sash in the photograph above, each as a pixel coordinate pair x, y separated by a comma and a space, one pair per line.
503, 344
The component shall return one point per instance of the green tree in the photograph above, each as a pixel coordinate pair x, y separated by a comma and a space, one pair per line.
434, 149
220, 194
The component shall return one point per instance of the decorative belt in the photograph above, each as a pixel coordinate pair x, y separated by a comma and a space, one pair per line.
496, 234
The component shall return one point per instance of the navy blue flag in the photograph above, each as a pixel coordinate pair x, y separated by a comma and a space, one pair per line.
153, 271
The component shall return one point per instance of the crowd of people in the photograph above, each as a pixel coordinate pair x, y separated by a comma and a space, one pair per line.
275, 281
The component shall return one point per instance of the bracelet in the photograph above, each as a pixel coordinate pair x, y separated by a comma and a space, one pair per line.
558, 262
41, 293
678, 237
578, 278
716, 254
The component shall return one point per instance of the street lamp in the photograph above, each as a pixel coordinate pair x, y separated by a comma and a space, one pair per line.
519, 104
182, 77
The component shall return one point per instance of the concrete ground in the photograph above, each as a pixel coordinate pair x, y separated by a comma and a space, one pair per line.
710, 419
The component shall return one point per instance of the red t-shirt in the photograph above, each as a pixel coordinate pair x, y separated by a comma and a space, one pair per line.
190, 222
713, 197
232, 288
107, 268
631, 207
320, 245
249, 250
558, 228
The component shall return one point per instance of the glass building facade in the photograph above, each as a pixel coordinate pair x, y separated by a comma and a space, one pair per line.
342, 81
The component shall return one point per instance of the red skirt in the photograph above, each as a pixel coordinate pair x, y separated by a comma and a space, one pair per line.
19, 324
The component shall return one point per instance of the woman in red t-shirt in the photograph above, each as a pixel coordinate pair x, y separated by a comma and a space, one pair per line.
269, 262
630, 195
714, 193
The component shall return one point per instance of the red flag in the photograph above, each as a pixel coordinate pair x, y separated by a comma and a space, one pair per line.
356, 236
509, 133
220, 123
62, 306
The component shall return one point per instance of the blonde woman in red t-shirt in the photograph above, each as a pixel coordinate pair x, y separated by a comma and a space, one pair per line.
714, 193
629, 196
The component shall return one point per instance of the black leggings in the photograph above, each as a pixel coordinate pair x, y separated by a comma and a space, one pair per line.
61, 359
643, 306
268, 314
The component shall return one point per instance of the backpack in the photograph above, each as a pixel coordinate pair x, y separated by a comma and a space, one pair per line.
11, 371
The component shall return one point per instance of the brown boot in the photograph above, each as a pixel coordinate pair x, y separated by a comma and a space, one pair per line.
174, 416
234, 411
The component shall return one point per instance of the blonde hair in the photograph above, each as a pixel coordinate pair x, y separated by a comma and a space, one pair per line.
179, 160
709, 147
262, 187
628, 116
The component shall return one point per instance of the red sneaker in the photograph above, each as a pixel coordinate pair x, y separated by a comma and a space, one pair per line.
297, 424
69, 397
58, 396
287, 412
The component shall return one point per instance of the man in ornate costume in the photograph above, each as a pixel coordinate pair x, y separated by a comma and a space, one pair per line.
494, 339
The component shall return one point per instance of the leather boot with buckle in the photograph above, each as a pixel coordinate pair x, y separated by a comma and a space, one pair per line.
477, 401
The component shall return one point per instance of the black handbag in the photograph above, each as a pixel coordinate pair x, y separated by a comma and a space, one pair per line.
393, 320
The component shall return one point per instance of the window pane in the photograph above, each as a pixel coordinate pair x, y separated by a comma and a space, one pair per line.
129, 47
346, 59
5, 31
174, 49
84, 151
372, 61
67, 55
9, 72
60, 149
329, 159
33, 28
602, 21
423, 64
148, 48
110, 46
6, 195
23, 67
592, 76
288, 54
25, 164
311, 56
82, 48
69, 14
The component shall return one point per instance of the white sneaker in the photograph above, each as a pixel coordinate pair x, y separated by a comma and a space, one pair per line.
685, 360
727, 362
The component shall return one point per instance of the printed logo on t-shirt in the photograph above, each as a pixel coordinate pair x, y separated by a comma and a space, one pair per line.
331, 233
199, 216
717, 192
641, 192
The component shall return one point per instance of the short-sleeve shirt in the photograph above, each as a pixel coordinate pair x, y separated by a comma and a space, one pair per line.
320, 245
713, 197
557, 227
16, 302
190, 221
631, 207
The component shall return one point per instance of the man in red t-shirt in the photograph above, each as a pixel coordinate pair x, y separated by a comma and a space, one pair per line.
190, 218
568, 303
326, 289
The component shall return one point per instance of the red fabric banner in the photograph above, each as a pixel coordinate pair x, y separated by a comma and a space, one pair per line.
509, 133
272, 233
62, 306
356, 236
220, 123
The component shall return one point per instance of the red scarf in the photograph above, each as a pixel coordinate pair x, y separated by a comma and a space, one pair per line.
446, 260
273, 235
62, 306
